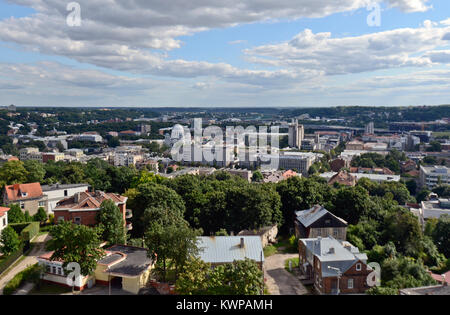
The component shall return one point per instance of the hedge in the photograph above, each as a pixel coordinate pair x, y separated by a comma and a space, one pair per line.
11, 259
26, 230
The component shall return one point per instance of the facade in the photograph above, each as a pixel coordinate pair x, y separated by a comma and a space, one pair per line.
370, 129
219, 250
379, 178
318, 221
3, 218
355, 145
52, 157
82, 208
57, 192
343, 178
296, 134
334, 266
125, 267
77, 153
30, 154
245, 174
127, 159
28, 196
433, 209
431, 175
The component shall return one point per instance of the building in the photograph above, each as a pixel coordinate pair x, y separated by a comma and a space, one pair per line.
82, 208
433, 209
91, 137
355, 145
52, 157
318, 221
28, 196
443, 289
55, 193
268, 234
127, 159
379, 178
296, 134
343, 178
334, 266
219, 250
77, 153
124, 267
370, 129
338, 164
30, 154
297, 161
430, 176
3, 218
245, 174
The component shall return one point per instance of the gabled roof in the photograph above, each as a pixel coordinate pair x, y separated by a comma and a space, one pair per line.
226, 249
88, 201
308, 217
19, 192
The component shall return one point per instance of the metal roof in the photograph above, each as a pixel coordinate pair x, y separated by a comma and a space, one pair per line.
308, 217
226, 249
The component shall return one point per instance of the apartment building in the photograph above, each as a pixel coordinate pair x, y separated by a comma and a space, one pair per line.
430, 176
57, 192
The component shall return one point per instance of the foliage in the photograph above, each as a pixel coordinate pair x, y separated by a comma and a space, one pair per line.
15, 214
30, 274
110, 221
76, 243
441, 235
40, 216
9, 241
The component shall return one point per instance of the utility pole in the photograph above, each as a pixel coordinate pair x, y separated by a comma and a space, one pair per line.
339, 273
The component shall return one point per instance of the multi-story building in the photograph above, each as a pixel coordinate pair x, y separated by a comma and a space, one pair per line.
30, 154
370, 129
28, 196
430, 176
296, 134
355, 145
55, 193
334, 266
127, 159
77, 153
318, 221
82, 208
52, 157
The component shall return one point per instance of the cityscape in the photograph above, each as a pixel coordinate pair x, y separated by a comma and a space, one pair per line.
140, 157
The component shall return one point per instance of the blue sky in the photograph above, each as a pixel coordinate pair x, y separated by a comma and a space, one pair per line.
156, 55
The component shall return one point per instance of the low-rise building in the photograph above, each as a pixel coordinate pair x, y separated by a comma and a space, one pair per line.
219, 250
334, 266
245, 174
318, 221
52, 157
355, 145
28, 196
379, 178
30, 154
343, 178
57, 192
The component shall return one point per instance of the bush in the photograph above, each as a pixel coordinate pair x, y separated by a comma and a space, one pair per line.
9, 241
27, 231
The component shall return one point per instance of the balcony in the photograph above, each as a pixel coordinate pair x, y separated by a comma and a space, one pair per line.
128, 214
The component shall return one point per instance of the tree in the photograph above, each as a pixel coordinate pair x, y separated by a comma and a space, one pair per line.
76, 243
13, 172
40, 216
257, 177
194, 278
9, 241
15, 214
27, 216
110, 220
441, 235
351, 203
36, 171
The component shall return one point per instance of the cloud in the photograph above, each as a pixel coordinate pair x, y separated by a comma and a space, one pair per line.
399, 48
237, 42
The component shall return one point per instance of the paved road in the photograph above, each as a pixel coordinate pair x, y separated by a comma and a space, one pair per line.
29, 260
279, 281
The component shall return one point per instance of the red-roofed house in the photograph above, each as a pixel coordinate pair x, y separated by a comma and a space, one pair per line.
82, 208
444, 278
28, 196
3, 218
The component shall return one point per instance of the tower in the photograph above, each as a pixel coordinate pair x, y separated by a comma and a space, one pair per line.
296, 134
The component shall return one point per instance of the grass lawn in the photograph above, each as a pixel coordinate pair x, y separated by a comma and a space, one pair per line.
49, 289
270, 250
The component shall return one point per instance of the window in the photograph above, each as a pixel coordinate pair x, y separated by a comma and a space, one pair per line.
54, 269
350, 284
47, 268
65, 193
60, 271
78, 220
22, 205
358, 267
4, 221
41, 203
60, 219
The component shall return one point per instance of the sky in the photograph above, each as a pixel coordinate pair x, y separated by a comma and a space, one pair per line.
224, 53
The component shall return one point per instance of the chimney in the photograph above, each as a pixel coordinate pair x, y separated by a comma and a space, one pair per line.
242, 242
76, 197
331, 250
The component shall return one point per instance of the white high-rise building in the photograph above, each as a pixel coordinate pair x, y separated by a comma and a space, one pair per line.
370, 128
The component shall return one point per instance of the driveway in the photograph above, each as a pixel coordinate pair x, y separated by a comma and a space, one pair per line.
278, 280
29, 260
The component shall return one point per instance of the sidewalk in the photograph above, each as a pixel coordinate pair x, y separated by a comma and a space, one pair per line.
25, 261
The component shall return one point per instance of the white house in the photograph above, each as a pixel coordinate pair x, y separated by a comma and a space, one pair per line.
3, 218
58, 192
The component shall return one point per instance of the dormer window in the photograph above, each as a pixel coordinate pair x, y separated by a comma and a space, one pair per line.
24, 194
358, 267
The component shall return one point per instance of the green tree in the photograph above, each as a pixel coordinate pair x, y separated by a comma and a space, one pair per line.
194, 278
40, 216
36, 171
15, 214
441, 235
76, 243
257, 177
110, 220
9, 241
13, 172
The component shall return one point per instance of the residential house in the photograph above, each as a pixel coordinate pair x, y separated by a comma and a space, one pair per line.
3, 218
268, 234
124, 267
219, 250
52, 157
57, 192
408, 166
334, 266
29, 196
443, 289
318, 221
82, 207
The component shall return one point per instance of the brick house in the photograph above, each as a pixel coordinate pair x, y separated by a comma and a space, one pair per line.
321, 259
318, 221
82, 207
28, 196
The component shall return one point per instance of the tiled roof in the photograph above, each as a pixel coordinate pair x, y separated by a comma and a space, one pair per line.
19, 192
88, 201
343, 178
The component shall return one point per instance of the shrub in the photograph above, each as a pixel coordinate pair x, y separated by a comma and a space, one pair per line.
31, 273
